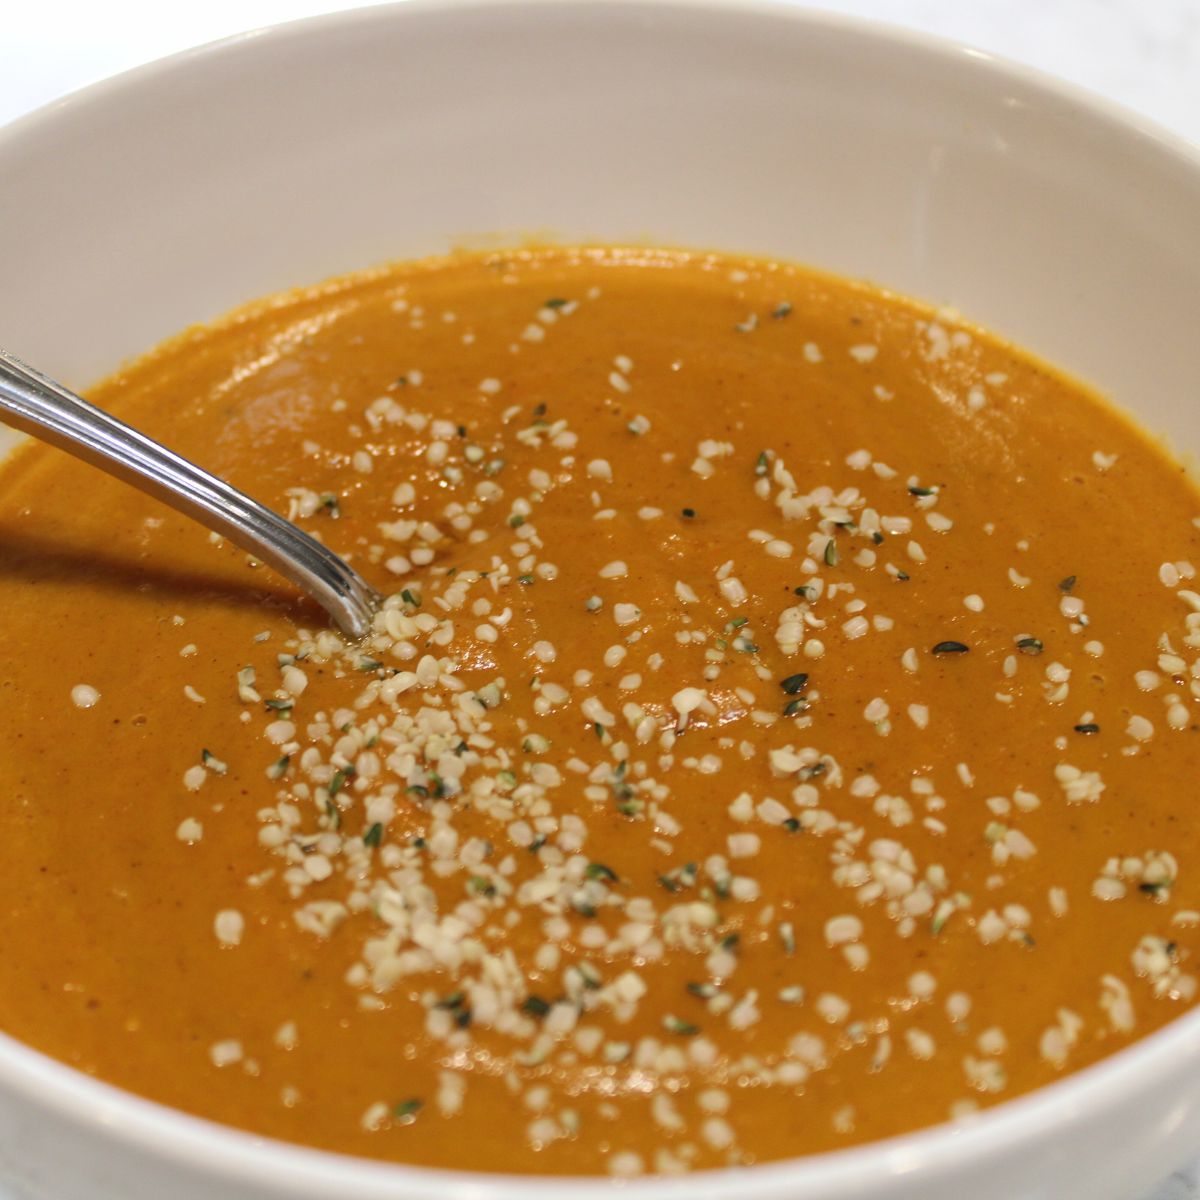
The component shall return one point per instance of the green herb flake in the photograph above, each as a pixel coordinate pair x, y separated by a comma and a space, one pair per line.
688, 513
212, 762
369, 664
374, 835
535, 1006
762, 464
555, 302
781, 310
793, 685
278, 769
339, 780
598, 870
405, 1113
705, 991
1030, 645
950, 648
831, 553
1067, 584
1087, 727
280, 706
680, 1028
942, 914
330, 503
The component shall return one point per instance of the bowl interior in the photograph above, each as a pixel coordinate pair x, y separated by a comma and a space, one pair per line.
163, 198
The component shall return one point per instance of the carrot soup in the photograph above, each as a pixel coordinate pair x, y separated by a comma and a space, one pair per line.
771, 741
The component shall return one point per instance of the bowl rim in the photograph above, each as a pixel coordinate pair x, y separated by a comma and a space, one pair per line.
178, 1138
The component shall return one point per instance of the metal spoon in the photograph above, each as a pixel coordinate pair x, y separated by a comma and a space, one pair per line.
34, 404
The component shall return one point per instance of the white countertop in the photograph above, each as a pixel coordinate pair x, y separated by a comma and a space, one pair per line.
1144, 54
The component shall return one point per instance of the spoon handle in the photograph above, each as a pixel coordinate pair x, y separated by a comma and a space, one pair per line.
34, 404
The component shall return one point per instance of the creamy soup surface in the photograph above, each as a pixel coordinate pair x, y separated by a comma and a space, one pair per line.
772, 740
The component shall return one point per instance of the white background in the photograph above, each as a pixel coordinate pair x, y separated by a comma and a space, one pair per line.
1143, 53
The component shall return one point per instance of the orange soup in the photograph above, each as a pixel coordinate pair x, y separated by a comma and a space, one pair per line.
771, 740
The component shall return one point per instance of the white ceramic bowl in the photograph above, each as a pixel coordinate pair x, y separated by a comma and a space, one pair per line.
170, 194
